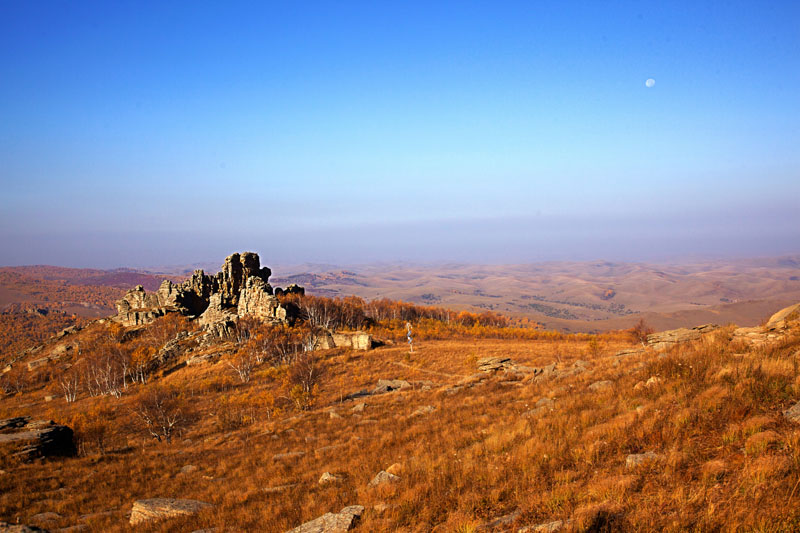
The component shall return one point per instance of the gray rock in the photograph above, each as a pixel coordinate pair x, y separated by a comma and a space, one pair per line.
24, 440
636, 459
781, 319
288, 455
160, 508
667, 339
601, 385
424, 410
339, 522
389, 385
327, 477
493, 364
503, 521
548, 527
793, 413
382, 478
46, 517
279, 488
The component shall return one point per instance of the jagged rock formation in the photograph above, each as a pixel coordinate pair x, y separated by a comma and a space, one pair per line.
240, 288
23, 440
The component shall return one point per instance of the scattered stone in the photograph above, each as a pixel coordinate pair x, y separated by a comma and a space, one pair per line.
395, 469
359, 407
505, 520
600, 385
653, 381
548, 527
328, 448
424, 410
49, 397
383, 477
46, 517
389, 385
635, 459
334, 414
793, 413
159, 508
188, 469
629, 352
5, 527
545, 372
288, 455
327, 477
380, 507
339, 522
493, 364
279, 488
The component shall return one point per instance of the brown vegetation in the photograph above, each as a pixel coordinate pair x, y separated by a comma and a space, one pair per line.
718, 455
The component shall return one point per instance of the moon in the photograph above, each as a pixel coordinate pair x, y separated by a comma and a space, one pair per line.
650, 83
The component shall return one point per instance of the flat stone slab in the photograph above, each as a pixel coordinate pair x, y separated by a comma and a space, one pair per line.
158, 508
344, 520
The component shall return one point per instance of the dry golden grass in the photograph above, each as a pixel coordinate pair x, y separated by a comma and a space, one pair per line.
727, 459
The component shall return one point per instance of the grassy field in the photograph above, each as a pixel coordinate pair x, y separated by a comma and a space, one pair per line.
541, 449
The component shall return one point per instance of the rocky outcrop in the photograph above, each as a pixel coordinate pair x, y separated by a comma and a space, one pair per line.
256, 300
782, 318
159, 508
356, 340
291, 289
667, 339
240, 288
23, 440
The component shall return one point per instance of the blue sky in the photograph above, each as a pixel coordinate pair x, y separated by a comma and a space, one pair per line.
147, 134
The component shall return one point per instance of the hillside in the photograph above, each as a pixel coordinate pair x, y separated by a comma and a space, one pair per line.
578, 296
482, 426
570, 297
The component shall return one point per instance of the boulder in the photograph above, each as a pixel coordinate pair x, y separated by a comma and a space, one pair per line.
344, 520
782, 318
389, 385
383, 478
160, 508
493, 364
357, 340
23, 440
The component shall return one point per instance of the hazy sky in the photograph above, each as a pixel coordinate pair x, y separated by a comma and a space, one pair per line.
148, 134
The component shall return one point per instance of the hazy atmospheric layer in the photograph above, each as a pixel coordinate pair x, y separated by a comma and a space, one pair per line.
152, 134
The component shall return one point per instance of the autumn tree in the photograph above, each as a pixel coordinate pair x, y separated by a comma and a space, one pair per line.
160, 411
